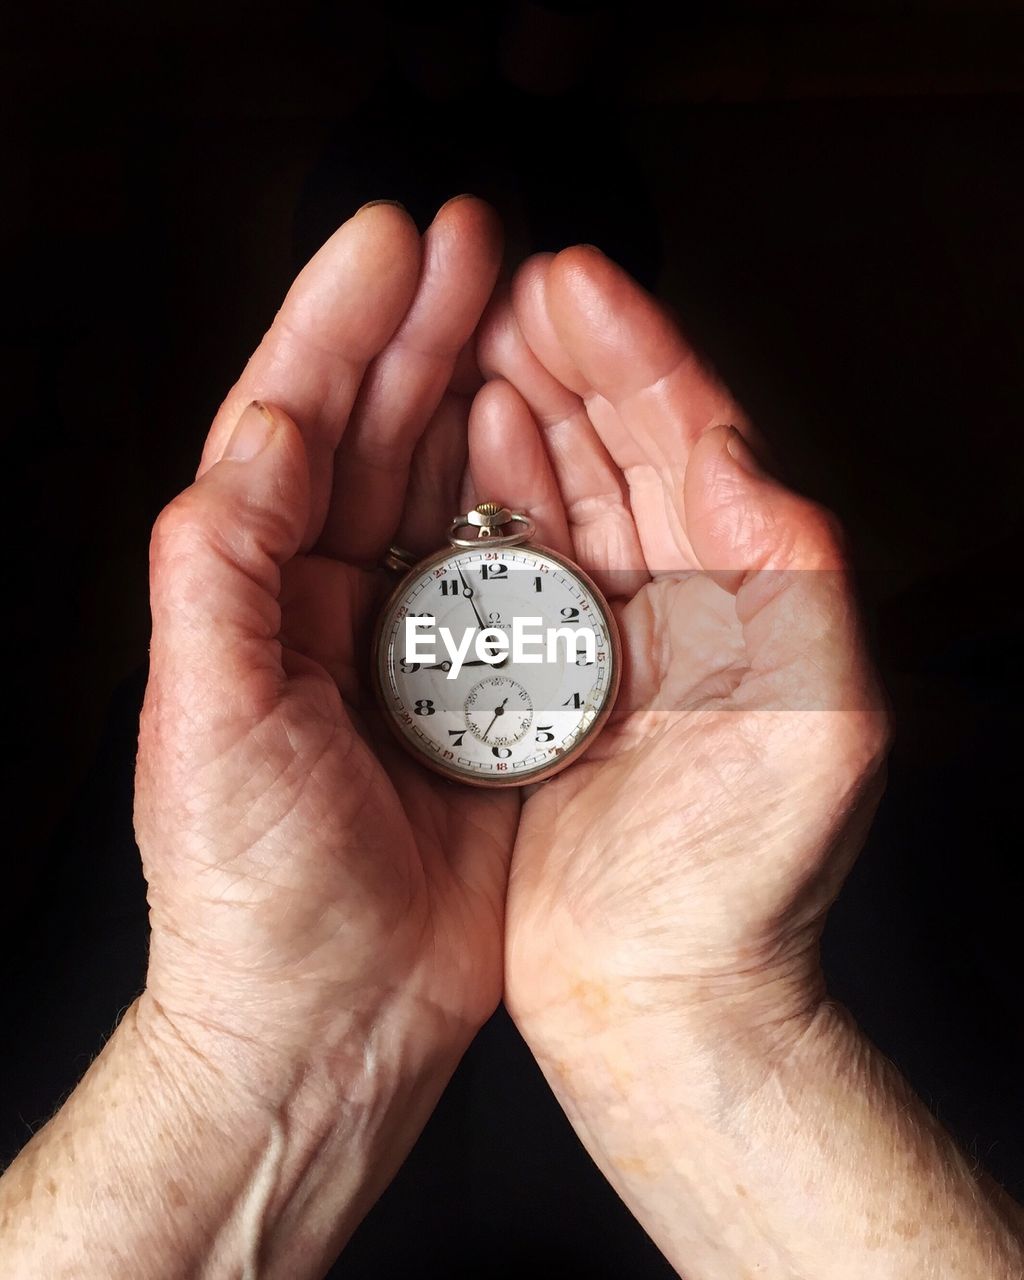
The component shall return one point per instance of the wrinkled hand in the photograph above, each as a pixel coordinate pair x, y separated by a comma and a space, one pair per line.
685, 864
307, 879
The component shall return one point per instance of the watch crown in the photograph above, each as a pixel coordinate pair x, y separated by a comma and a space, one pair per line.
494, 521
489, 518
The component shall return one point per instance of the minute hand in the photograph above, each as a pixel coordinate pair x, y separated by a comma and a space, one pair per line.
468, 592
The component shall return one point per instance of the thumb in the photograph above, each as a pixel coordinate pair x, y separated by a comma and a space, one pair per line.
215, 561
782, 557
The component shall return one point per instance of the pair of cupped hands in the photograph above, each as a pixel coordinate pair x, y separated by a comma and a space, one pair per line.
317, 897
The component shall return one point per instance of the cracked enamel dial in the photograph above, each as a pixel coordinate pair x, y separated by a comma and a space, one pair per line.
515, 721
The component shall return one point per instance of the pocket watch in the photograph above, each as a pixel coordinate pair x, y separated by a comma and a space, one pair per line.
496, 661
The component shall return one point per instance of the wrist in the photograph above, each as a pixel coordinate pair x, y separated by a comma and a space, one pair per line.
801, 1154
192, 1148
315, 1132
621, 1025
363, 1057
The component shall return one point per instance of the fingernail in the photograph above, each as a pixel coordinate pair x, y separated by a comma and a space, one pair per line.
251, 434
465, 195
372, 204
741, 454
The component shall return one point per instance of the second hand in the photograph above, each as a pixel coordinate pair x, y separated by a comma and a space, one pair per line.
498, 711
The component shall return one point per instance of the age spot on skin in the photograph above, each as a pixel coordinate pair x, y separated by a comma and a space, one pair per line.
562, 1070
636, 1166
591, 996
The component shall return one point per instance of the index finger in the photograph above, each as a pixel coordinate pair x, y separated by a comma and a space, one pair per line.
340, 312
406, 382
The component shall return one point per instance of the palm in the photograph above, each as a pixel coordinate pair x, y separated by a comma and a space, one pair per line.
443, 850
621, 842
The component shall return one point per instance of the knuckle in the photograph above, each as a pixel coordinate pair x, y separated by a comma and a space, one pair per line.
179, 525
853, 744
878, 733
828, 533
243, 536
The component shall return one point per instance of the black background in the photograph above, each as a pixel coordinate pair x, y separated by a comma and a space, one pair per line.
829, 195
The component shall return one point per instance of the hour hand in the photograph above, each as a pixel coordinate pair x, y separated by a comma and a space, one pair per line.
470, 662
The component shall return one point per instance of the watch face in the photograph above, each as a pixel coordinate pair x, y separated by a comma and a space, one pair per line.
497, 667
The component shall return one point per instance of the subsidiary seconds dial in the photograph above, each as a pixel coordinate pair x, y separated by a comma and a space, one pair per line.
498, 723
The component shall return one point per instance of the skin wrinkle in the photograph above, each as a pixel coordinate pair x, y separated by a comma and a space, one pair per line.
245, 849
662, 391
343, 366
356, 1025
657, 386
429, 351
262, 573
588, 510
351, 365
